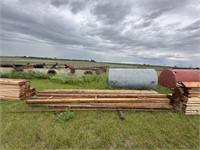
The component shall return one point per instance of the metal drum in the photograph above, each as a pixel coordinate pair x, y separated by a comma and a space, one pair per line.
169, 77
133, 78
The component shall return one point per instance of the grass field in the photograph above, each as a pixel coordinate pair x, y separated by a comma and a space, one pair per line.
95, 129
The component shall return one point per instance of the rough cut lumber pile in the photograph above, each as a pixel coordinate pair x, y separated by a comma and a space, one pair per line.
14, 89
186, 98
101, 99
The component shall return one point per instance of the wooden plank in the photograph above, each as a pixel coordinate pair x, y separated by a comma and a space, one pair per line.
194, 92
193, 108
110, 105
184, 104
78, 91
111, 95
192, 105
193, 95
12, 95
12, 89
12, 86
187, 99
193, 102
9, 98
192, 112
6, 81
194, 99
99, 100
191, 84
181, 108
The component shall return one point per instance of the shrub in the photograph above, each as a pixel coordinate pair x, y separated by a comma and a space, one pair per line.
65, 116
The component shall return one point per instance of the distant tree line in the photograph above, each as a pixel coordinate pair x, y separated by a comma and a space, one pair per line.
138, 65
49, 58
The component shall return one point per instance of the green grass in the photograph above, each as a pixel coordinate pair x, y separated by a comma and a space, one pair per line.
163, 90
94, 129
97, 130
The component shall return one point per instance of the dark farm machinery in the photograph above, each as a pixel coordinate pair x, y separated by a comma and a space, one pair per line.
53, 68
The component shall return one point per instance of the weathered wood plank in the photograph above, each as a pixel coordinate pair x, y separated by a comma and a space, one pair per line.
100, 100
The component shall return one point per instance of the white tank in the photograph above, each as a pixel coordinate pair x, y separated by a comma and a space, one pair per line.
133, 78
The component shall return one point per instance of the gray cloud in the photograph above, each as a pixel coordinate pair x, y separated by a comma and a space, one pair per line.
58, 3
111, 12
193, 26
77, 6
154, 32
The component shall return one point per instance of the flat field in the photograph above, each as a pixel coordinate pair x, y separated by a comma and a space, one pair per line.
95, 129
76, 63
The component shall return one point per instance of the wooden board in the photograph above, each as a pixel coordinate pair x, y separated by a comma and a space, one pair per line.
110, 105
78, 91
100, 100
191, 84
94, 95
11, 89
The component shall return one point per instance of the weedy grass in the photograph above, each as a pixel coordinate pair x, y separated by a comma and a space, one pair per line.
162, 90
94, 129
65, 116
25, 75
61, 80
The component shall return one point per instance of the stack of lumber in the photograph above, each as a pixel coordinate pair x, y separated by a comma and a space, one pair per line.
101, 99
186, 98
14, 89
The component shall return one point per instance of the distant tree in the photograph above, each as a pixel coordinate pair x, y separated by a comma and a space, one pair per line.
93, 60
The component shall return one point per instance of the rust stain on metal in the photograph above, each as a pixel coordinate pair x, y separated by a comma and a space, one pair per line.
169, 77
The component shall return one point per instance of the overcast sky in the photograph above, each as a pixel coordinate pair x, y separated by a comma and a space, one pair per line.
160, 32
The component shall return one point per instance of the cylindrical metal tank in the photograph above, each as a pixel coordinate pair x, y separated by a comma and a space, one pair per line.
133, 78
169, 77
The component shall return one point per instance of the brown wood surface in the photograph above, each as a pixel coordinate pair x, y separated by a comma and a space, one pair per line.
14, 89
100, 100
78, 91
6, 81
191, 84
110, 105
111, 95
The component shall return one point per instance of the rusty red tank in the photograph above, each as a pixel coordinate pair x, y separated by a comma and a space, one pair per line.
169, 77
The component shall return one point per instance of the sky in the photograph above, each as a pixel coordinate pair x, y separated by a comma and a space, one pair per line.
157, 32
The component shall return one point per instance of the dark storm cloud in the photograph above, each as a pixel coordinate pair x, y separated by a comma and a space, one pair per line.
111, 12
77, 6
155, 32
49, 28
58, 3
